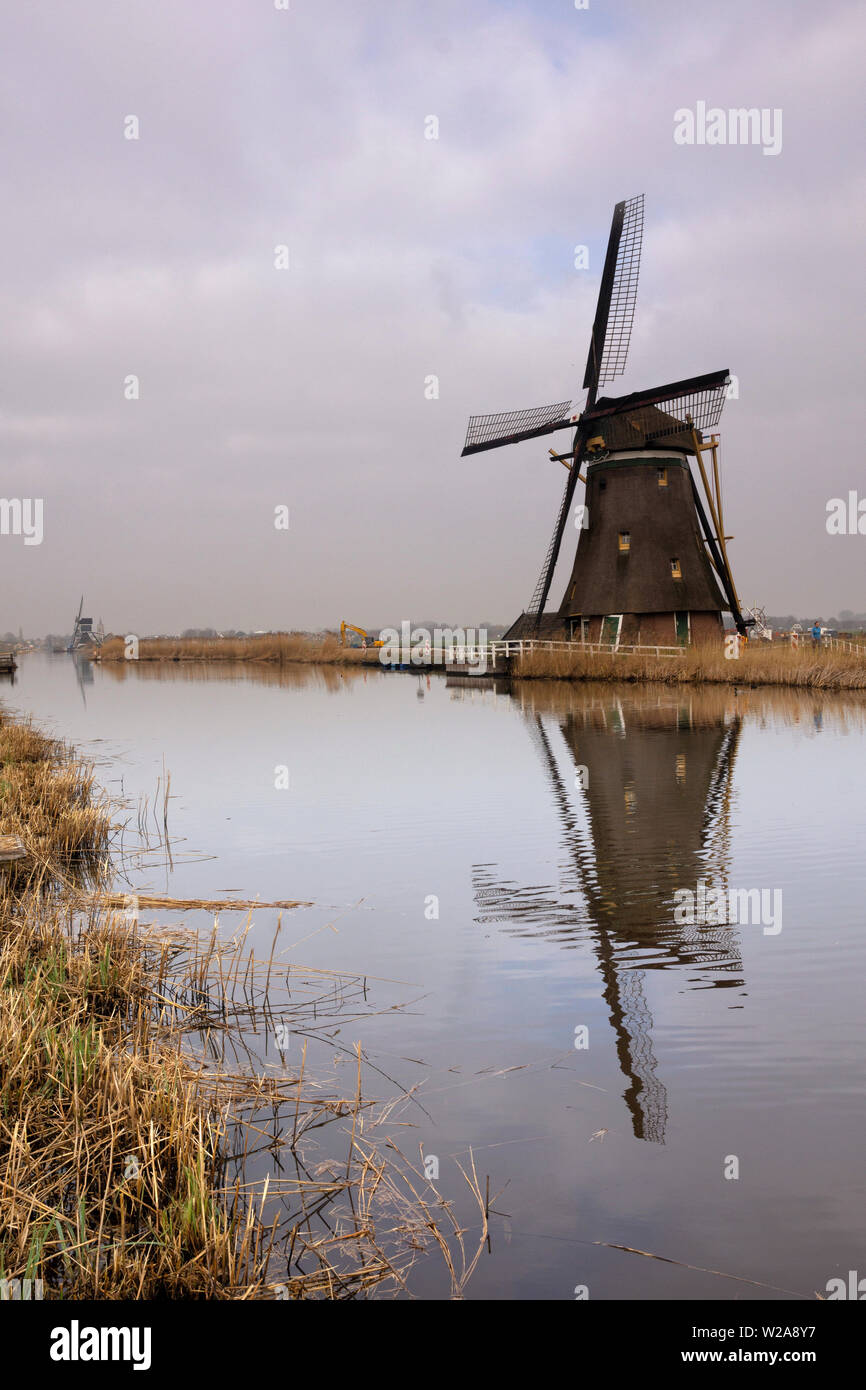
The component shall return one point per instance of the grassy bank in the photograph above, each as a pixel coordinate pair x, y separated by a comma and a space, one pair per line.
144, 1152
275, 648
757, 665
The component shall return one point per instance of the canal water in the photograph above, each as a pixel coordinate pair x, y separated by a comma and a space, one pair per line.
615, 938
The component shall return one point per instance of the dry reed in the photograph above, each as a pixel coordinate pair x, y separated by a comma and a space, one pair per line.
757, 664
145, 1152
277, 648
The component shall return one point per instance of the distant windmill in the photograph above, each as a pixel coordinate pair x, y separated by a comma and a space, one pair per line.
651, 563
758, 615
83, 635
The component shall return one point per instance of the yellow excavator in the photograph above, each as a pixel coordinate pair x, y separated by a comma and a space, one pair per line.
366, 639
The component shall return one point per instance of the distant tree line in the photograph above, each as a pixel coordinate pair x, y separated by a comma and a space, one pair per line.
845, 622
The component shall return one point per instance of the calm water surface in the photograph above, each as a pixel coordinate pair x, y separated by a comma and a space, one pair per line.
550, 827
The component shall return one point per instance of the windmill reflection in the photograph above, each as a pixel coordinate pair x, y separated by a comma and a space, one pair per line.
83, 673
642, 791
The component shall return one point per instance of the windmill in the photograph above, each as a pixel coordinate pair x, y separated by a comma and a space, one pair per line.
651, 564
759, 616
83, 636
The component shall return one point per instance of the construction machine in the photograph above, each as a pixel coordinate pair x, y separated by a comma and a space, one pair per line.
366, 639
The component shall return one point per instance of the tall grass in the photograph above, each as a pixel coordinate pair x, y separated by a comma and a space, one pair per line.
144, 1151
277, 648
756, 665
48, 801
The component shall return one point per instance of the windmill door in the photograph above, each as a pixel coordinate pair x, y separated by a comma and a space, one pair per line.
682, 626
610, 630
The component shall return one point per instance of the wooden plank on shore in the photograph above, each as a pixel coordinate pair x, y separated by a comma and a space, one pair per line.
11, 848
150, 900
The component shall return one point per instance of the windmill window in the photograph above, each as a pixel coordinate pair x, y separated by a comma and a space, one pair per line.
602, 484
676, 572
625, 540
662, 477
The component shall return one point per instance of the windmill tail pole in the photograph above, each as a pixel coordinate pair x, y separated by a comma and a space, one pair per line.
718, 563
715, 507
721, 520
720, 553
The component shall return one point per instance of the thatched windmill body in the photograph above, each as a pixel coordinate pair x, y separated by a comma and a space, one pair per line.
651, 565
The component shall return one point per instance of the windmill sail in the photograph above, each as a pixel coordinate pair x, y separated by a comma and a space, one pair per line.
617, 296
608, 350
542, 587
511, 426
692, 402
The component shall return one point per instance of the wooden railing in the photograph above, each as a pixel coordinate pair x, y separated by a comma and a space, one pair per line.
493, 652
839, 644
833, 644
591, 648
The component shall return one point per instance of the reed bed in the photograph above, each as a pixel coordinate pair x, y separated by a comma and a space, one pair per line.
803, 667
145, 1149
277, 648
48, 801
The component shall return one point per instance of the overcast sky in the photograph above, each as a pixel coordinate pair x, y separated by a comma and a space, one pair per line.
409, 257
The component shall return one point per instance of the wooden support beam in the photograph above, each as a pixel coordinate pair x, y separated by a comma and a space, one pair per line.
563, 459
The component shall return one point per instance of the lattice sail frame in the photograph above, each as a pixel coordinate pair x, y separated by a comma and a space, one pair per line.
623, 293
665, 420
504, 426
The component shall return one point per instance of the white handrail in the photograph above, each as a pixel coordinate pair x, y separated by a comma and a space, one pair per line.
467, 654
472, 654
